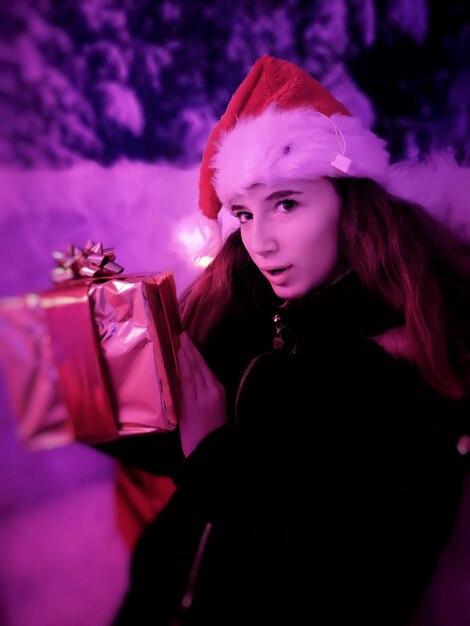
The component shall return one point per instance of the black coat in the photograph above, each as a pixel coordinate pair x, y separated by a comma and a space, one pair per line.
330, 494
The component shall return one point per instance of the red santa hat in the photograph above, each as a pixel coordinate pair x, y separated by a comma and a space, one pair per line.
282, 125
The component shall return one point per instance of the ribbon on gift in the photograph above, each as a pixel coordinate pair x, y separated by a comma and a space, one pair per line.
85, 308
92, 261
76, 351
91, 387
94, 358
161, 298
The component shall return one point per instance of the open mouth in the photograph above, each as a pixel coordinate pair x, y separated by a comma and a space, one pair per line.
277, 271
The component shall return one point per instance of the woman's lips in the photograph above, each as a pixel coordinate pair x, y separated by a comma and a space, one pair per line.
277, 273
277, 270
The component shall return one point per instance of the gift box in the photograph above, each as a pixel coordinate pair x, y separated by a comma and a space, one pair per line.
94, 357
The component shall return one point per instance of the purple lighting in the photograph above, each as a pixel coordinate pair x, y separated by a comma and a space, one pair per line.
105, 110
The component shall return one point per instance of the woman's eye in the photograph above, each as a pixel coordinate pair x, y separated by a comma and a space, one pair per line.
287, 205
243, 216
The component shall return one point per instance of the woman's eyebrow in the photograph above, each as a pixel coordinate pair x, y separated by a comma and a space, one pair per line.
282, 194
236, 207
272, 196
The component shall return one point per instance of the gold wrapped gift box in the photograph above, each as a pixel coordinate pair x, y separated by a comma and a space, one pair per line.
92, 359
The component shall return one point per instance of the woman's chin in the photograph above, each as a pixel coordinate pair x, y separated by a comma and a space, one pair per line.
287, 292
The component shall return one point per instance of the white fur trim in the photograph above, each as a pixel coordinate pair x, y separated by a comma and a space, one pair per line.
279, 146
438, 184
228, 222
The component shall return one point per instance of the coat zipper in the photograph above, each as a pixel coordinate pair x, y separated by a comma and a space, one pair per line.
187, 599
278, 344
188, 595
250, 366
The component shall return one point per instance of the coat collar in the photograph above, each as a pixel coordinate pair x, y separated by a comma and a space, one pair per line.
343, 307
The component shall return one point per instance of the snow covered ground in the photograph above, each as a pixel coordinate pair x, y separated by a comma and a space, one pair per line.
63, 560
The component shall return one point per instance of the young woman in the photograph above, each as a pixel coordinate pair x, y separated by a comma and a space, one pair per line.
325, 373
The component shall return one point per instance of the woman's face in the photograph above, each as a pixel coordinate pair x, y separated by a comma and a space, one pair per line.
291, 233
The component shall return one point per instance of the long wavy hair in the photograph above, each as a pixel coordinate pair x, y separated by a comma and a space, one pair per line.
400, 252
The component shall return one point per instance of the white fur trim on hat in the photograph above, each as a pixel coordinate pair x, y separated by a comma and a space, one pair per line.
278, 146
439, 184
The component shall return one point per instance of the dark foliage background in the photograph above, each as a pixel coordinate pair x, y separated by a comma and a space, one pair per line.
145, 79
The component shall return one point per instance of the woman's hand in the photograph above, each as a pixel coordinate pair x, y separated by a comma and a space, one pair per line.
203, 407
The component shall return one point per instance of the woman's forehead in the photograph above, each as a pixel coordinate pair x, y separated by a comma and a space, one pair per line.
270, 192
265, 192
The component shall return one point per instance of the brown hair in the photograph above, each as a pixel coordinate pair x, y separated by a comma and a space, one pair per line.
400, 252
231, 281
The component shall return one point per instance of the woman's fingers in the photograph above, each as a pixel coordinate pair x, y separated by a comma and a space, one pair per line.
188, 382
203, 376
203, 397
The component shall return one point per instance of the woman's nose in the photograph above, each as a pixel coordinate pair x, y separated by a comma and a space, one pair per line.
264, 239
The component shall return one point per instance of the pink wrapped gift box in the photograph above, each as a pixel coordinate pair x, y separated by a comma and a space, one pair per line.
92, 359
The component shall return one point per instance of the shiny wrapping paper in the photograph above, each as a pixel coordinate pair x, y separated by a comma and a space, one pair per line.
92, 359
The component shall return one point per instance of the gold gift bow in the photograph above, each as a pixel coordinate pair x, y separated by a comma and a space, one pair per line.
81, 378
91, 261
